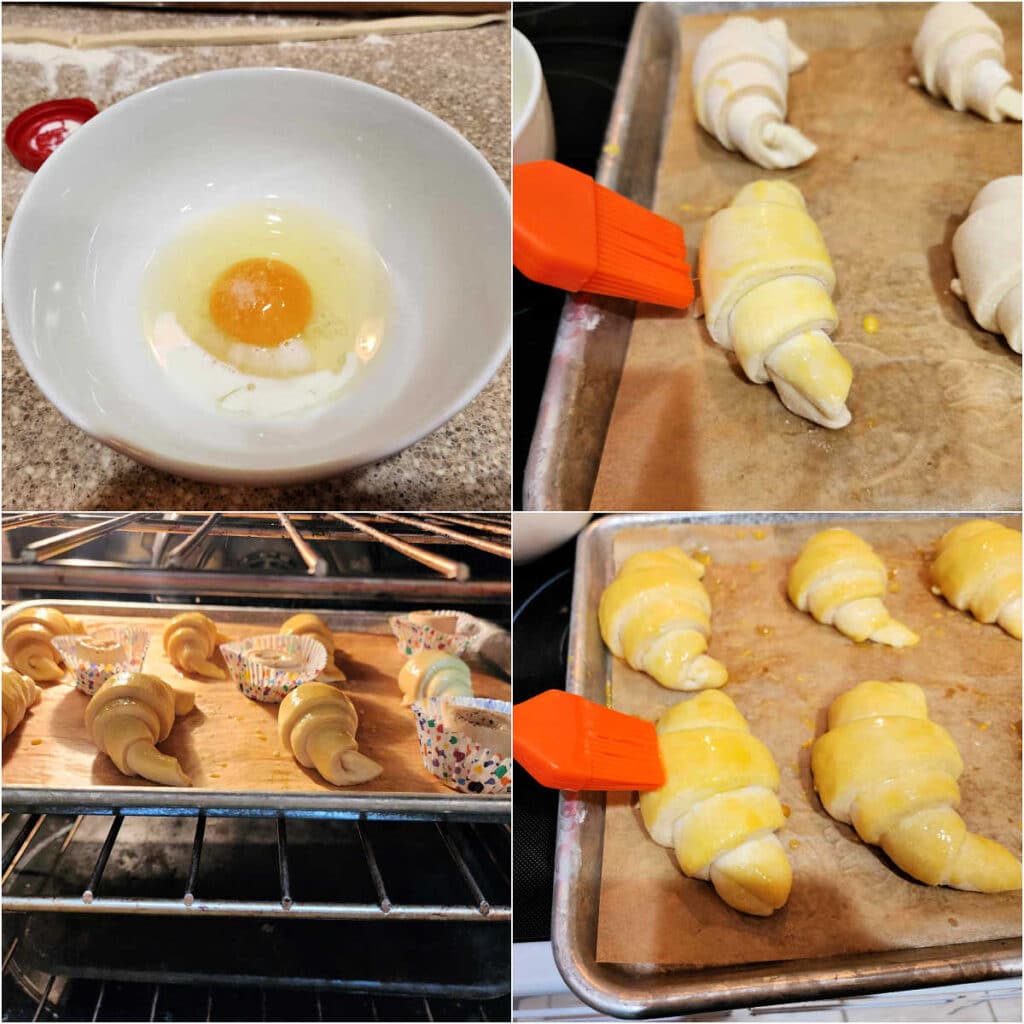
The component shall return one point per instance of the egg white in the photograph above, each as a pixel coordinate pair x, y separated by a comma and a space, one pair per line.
350, 290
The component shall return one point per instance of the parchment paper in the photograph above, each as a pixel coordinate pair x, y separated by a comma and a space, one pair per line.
935, 399
784, 671
229, 743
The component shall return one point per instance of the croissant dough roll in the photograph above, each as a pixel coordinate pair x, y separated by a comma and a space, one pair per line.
740, 84
317, 724
977, 567
131, 713
959, 54
307, 624
884, 768
840, 581
766, 280
719, 809
19, 694
27, 637
434, 674
986, 250
656, 615
189, 641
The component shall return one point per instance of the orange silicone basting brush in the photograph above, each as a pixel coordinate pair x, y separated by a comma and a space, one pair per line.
568, 742
572, 233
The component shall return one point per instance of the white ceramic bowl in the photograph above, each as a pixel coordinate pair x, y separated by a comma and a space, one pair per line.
534, 534
135, 176
533, 125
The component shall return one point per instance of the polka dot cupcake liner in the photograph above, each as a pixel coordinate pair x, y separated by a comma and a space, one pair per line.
95, 657
454, 757
250, 663
416, 636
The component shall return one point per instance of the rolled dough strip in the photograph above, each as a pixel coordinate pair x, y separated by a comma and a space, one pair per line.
238, 35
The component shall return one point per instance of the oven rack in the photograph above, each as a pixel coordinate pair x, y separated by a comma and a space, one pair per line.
107, 1001
178, 568
455, 839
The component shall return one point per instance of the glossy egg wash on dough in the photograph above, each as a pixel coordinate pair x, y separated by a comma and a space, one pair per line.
265, 309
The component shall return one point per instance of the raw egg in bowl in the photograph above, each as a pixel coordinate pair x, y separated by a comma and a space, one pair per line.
261, 275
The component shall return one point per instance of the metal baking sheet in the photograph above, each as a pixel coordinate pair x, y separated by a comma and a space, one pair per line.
321, 803
593, 334
639, 991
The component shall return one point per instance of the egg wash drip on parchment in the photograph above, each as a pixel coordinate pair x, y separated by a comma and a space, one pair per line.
266, 309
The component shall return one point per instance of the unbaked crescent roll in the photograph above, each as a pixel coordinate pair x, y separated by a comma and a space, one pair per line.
740, 85
986, 250
766, 283
959, 54
840, 580
190, 640
317, 725
19, 694
884, 768
719, 808
27, 637
434, 674
307, 624
977, 568
129, 715
656, 615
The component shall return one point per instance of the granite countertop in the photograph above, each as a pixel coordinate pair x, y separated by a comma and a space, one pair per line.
461, 76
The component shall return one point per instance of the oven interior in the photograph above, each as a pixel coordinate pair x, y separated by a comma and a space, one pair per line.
252, 913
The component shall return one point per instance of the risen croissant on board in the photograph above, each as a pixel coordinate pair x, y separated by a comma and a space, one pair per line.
129, 715
959, 54
434, 674
317, 725
307, 624
740, 81
189, 641
27, 645
719, 808
978, 568
656, 615
767, 280
884, 768
840, 580
986, 249
19, 694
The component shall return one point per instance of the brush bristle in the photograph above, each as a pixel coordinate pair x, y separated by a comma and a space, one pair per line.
623, 752
639, 254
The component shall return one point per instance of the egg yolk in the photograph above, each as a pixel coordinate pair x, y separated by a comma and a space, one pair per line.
261, 302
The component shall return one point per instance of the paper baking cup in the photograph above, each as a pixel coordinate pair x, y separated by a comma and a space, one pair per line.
413, 637
456, 759
269, 683
91, 674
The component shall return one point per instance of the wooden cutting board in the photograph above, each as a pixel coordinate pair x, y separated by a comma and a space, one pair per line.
935, 399
229, 743
784, 671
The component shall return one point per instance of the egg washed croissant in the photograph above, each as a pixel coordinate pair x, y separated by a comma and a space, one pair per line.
129, 715
190, 640
19, 694
656, 615
307, 624
434, 674
766, 281
317, 725
986, 249
977, 567
719, 809
840, 580
740, 84
959, 54
27, 637
884, 768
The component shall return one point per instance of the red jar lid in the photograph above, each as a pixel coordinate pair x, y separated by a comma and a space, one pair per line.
36, 132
